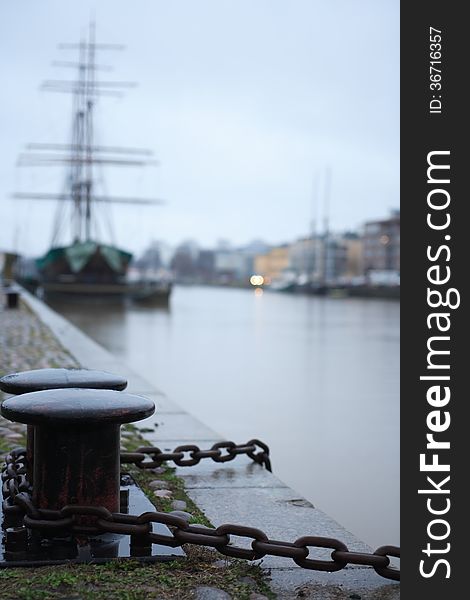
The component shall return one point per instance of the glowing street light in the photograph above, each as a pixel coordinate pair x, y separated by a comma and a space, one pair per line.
256, 280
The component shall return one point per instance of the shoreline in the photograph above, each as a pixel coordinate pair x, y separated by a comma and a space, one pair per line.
241, 492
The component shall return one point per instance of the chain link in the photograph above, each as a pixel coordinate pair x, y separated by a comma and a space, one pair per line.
19, 501
150, 457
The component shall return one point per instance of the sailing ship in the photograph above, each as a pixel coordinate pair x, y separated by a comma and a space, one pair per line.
86, 266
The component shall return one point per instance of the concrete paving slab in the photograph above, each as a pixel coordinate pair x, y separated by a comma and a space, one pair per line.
175, 426
242, 472
230, 477
363, 583
279, 512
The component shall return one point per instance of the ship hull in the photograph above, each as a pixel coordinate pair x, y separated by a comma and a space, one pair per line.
145, 292
90, 272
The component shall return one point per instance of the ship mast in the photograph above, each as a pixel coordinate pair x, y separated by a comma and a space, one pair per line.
76, 166
81, 156
89, 130
326, 226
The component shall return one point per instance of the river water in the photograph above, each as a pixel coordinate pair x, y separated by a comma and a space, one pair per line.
316, 378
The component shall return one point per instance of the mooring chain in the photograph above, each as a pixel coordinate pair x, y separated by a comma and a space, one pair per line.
149, 457
14, 473
139, 527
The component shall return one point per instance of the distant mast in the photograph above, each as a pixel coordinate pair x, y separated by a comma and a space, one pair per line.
82, 155
312, 263
326, 224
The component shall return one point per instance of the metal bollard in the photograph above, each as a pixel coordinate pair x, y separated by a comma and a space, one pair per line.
49, 379
77, 443
12, 297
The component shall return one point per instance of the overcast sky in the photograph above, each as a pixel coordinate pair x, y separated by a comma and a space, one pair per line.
244, 102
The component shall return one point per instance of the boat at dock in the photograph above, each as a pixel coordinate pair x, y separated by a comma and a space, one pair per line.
86, 266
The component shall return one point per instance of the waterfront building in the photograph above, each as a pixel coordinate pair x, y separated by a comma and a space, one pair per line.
354, 263
382, 244
232, 266
273, 263
184, 262
7, 264
205, 265
305, 258
151, 258
334, 258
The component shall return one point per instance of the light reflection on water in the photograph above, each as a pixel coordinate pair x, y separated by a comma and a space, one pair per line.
316, 378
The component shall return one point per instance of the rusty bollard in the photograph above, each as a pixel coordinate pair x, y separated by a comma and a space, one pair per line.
76, 442
49, 379
12, 295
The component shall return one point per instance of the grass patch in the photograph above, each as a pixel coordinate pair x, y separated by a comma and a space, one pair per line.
131, 580
5, 445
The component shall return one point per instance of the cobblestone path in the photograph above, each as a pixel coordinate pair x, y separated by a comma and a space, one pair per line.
25, 343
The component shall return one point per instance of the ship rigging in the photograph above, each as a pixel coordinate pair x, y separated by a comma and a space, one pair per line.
87, 266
